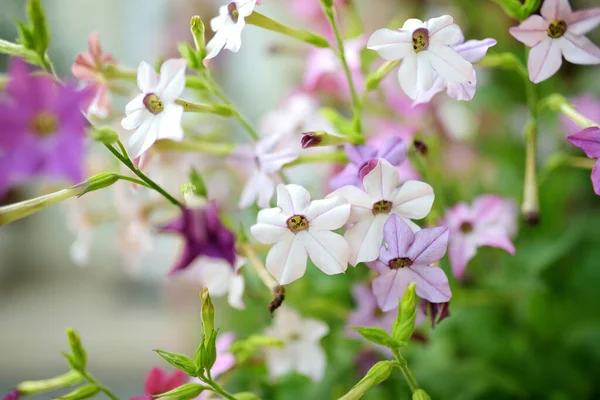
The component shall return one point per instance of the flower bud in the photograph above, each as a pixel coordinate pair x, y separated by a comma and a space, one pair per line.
377, 374
106, 135
197, 28
78, 352
27, 388
83, 392
187, 391
322, 138
420, 394
374, 78
208, 314
407, 312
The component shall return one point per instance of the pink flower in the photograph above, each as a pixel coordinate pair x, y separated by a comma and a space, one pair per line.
12, 395
367, 313
588, 140
88, 68
159, 381
588, 105
490, 221
558, 32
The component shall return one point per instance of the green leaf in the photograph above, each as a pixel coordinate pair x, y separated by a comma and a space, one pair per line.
377, 336
183, 392
199, 185
25, 34
39, 25
82, 392
189, 54
179, 361
245, 348
79, 353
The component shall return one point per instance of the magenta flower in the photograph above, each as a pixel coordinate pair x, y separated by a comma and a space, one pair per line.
588, 106
159, 381
362, 159
42, 130
12, 395
489, 222
558, 32
367, 313
204, 235
588, 140
407, 258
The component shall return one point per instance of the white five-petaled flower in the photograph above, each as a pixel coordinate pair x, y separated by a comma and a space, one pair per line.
383, 196
300, 228
154, 113
260, 163
219, 278
558, 32
301, 351
228, 27
424, 48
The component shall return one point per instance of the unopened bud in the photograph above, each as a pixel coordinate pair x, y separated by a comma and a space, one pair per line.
377, 374
106, 135
420, 394
197, 29
407, 312
322, 138
208, 314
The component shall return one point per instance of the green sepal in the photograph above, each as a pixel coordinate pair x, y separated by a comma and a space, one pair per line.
200, 357
183, 392
377, 374
378, 336
179, 361
98, 181
197, 181
83, 392
78, 352
25, 34
197, 29
189, 54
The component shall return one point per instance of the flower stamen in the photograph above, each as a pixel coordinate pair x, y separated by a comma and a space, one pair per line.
153, 104
297, 223
233, 11
44, 123
557, 29
382, 207
401, 262
466, 227
420, 40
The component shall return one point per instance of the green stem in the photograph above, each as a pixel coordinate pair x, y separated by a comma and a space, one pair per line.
150, 183
265, 22
217, 149
131, 179
530, 206
356, 103
217, 388
333, 156
86, 375
408, 376
559, 103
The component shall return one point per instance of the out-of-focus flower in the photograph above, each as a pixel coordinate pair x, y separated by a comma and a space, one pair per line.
383, 196
424, 48
407, 258
588, 140
362, 159
437, 311
260, 162
558, 32
324, 71
12, 395
473, 51
42, 129
225, 361
588, 105
299, 228
154, 114
301, 351
367, 313
204, 235
220, 279
159, 381
228, 26
88, 67
490, 221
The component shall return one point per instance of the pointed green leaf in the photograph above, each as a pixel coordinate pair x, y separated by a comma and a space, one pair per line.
183, 392
377, 336
39, 25
179, 361
82, 392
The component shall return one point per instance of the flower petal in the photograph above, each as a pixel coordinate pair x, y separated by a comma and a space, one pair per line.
266, 189
393, 150
135, 119
579, 49
460, 251
292, 199
554, 10
407, 76
234, 36
327, 250
450, 65
596, 177
390, 287
382, 181
391, 45
434, 25
587, 140
216, 44
147, 79
234, 298
272, 163
413, 23
365, 237
172, 79
439, 84
494, 236
143, 138
531, 31
413, 200
327, 214
170, 123
474, 50
271, 226
429, 247
398, 237
311, 361
361, 202
544, 60
582, 21
425, 73
462, 91
432, 283
450, 35
246, 7
286, 260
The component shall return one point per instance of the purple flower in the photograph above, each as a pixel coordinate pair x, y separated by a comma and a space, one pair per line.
406, 259
588, 105
367, 313
588, 140
12, 395
204, 235
42, 129
437, 311
489, 222
364, 158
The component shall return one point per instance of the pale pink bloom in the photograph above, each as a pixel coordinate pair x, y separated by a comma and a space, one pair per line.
261, 163
88, 68
588, 105
228, 26
424, 48
153, 114
299, 228
219, 278
490, 221
403, 106
301, 352
383, 197
588, 140
558, 32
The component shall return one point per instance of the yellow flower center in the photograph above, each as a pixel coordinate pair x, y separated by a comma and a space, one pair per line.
557, 29
382, 207
400, 263
234, 14
297, 223
44, 123
420, 40
153, 103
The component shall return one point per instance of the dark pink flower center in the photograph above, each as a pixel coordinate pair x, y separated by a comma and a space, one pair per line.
366, 168
44, 123
466, 227
557, 29
297, 223
420, 40
401, 262
234, 14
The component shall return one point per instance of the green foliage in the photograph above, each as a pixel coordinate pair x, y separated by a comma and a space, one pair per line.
245, 348
199, 188
378, 336
179, 361
83, 392
183, 392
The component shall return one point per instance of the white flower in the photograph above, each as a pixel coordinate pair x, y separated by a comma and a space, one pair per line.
371, 209
260, 163
301, 351
154, 113
300, 228
228, 27
424, 48
220, 279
